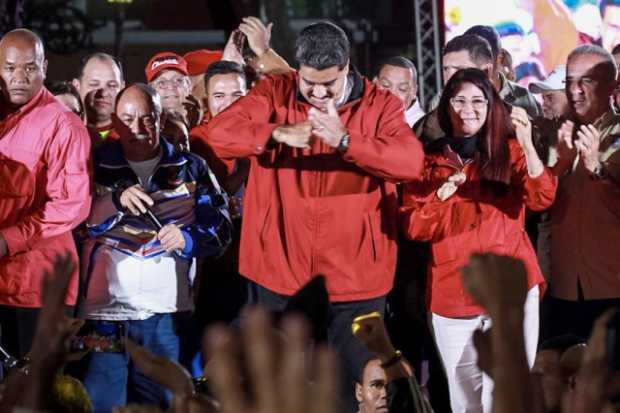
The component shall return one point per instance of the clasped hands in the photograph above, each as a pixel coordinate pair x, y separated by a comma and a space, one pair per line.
325, 125
586, 145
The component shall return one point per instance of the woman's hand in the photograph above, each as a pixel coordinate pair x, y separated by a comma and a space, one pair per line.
523, 128
448, 189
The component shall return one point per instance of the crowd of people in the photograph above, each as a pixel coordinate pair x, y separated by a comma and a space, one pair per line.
130, 214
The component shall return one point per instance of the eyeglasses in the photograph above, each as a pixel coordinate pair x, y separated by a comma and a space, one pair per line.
458, 103
166, 83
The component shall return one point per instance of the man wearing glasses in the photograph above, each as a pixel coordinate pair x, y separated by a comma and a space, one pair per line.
167, 73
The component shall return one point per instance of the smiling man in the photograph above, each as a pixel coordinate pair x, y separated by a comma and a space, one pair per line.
399, 75
99, 80
44, 185
585, 219
167, 73
326, 147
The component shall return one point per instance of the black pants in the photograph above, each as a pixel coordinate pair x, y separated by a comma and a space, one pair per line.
17, 326
353, 355
573, 317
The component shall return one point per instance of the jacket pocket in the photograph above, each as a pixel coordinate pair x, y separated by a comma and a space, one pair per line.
372, 235
16, 273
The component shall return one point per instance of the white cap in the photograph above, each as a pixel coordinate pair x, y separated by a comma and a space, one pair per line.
555, 81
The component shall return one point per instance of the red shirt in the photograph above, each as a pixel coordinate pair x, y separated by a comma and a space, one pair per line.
315, 211
474, 219
44, 194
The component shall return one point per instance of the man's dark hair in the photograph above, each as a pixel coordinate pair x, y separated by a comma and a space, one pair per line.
605, 3
489, 34
400, 61
616, 49
478, 48
66, 88
223, 67
100, 56
322, 45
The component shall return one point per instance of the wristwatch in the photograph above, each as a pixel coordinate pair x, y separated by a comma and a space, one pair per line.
343, 146
598, 173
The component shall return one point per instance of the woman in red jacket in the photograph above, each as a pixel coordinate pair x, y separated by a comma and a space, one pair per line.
477, 182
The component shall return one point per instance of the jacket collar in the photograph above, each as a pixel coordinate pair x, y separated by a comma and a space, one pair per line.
357, 91
112, 157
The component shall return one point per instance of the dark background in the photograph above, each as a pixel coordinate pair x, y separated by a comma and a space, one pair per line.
141, 28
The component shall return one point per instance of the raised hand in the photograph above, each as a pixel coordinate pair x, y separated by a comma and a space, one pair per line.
523, 128
257, 33
276, 373
588, 146
566, 149
370, 330
232, 50
498, 283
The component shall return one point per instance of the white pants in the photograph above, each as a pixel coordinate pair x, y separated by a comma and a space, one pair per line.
471, 391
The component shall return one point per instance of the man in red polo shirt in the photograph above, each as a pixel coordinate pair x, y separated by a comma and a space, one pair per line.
44, 185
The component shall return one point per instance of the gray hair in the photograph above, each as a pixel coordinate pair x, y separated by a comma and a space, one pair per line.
322, 45
608, 65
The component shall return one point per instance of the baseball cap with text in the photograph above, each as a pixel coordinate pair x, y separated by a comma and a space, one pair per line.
164, 61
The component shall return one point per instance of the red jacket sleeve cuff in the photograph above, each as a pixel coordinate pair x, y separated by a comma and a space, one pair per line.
14, 241
541, 181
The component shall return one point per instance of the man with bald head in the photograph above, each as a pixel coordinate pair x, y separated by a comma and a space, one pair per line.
585, 219
155, 211
99, 79
44, 185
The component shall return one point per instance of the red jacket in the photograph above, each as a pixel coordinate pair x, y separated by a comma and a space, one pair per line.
315, 211
474, 219
44, 193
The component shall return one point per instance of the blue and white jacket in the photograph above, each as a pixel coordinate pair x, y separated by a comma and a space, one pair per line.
126, 273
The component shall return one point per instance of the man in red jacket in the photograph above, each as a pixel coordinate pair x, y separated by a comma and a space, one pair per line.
44, 185
326, 148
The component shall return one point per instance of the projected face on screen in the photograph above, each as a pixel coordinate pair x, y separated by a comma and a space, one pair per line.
539, 34
610, 30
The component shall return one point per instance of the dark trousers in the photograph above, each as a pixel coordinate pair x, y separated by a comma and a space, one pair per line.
573, 317
353, 355
17, 327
